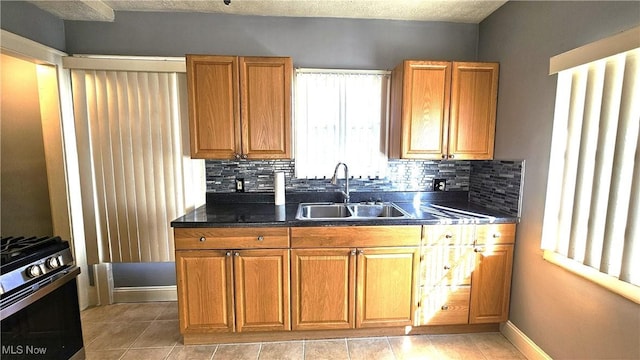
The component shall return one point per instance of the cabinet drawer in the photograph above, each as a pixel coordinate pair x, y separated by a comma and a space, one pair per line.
446, 265
444, 305
495, 234
355, 236
231, 238
448, 234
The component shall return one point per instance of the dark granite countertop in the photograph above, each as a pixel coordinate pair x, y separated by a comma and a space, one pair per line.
258, 209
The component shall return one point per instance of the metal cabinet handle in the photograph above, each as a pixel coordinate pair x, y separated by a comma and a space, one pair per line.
479, 249
260, 238
228, 253
497, 235
444, 307
353, 252
448, 236
450, 156
203, 239
244, 156
237, 156
236, 254
447, 267
444, 156
360, 252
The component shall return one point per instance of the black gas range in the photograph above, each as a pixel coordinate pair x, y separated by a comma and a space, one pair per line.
39, 306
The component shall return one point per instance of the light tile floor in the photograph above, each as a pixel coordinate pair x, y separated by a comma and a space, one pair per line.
150, 331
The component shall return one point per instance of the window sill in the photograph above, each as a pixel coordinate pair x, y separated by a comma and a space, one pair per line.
609, 282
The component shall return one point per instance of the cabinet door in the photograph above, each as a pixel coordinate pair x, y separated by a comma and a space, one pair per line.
205, 294
491, 284
214, 106
265, 84
262, 290
424, 95
386, 282
474, 94
323, 291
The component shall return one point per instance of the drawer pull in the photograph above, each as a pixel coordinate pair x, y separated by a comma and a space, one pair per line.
479, 249
228, 253
236, 254
444, 307
447, 267
203, 239
353, 252
360, 252
260, 238
448, 236
496, 235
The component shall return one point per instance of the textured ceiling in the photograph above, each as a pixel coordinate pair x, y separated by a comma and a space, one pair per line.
461, 11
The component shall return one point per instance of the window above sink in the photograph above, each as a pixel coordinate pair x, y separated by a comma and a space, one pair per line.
341, 116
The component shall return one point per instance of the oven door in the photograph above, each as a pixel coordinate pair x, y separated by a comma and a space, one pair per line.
45, 324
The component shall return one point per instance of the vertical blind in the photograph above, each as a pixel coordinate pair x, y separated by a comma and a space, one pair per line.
136, 174
341, 116
592, 213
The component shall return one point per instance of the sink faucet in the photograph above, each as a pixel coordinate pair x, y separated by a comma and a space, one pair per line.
334, 180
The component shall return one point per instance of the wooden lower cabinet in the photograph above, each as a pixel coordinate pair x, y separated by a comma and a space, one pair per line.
330, 284
323, 289
205, 292
386, 278
465, 274
261, 279
226, 291
491, 284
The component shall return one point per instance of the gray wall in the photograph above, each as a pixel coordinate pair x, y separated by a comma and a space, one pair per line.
29, 21
567, 316
312, 42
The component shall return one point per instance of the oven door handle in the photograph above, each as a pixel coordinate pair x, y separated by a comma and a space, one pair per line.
40, 293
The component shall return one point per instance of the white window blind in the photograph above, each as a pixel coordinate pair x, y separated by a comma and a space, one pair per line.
592, 211
136, 174
341, 116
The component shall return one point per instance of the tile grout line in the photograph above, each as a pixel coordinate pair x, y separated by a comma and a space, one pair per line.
346, 342
391, 348
214, 351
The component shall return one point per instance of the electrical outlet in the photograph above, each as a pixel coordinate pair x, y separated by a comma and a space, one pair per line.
239, 185
439, 185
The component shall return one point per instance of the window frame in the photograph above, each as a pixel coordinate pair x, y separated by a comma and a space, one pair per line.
384, 124
587, 54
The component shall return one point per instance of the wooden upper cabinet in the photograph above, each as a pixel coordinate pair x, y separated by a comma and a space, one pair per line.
265, 85
214, 106
472, 122
443, 110
420, 98
239, 107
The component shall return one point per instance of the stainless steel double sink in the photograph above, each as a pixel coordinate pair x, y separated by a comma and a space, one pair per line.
359, 211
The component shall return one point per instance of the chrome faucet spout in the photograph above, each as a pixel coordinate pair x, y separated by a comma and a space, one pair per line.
334, 180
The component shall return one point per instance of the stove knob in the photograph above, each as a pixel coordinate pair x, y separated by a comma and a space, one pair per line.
52, 263
34, 271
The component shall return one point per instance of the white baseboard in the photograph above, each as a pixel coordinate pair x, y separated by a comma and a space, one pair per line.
145, 294
522, 342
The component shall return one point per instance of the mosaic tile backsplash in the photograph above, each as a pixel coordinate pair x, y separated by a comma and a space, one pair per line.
495, 184
403, 175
